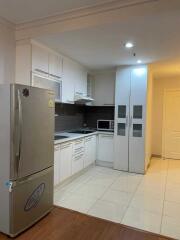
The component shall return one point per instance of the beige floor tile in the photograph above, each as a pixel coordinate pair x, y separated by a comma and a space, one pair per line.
148, 204
172, 209
91, 190
77, 203
172, 195
144, 220
117, 197
108, 210
170, 227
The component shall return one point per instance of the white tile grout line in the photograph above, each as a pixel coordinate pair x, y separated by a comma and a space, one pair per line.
131, 200
164, 194
99, 198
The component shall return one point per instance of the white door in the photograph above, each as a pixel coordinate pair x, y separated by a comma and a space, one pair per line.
171, 124
121, 129
137, 120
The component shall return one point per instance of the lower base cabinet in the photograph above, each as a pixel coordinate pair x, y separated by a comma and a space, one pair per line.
71, 157
105, 151
66, 151
62, 162
90, 150
57, 153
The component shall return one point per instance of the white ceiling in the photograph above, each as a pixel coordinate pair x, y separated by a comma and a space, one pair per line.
156, 38
19, 11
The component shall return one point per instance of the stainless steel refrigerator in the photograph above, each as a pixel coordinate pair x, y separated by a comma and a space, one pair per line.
26, 156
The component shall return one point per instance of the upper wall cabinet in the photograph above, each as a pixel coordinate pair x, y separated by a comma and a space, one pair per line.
55, 65
45, 61
31, 56
40, 59
103, 89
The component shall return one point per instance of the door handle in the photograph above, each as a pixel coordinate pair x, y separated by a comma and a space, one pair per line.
18, 153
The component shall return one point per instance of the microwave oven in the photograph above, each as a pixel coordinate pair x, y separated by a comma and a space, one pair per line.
105, 125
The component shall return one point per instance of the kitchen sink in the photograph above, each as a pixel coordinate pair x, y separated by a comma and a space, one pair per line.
82, 131
57, 137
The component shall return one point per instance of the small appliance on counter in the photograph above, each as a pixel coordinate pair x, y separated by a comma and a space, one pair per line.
27, 156
105, 125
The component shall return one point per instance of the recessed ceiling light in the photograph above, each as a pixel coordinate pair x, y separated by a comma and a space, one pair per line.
129, 45
139, 61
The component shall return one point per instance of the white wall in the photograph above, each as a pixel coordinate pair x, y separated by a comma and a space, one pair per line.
159, 86
7, 52
149, 119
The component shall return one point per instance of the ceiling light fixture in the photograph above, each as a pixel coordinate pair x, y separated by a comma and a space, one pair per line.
129, 45
139, 61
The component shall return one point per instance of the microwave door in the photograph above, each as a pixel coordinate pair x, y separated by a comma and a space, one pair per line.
33, 125
104, 125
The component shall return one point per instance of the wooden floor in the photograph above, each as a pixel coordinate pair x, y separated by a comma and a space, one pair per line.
64, 224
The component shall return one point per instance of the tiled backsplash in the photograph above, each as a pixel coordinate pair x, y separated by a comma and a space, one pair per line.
71, 116
94, 113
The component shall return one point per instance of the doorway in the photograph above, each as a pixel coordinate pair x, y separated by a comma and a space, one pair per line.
171, 124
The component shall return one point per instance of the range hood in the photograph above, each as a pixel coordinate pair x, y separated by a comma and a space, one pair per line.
82, 99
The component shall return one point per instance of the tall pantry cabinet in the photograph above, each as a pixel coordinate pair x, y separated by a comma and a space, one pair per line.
130, 118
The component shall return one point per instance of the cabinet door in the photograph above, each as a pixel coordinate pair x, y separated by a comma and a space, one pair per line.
81, 80
137, 120
56, 165
93, 148
121, 135
106, 148
55, 65
68, 83
66, 150
104, 89
90, 150
40, 59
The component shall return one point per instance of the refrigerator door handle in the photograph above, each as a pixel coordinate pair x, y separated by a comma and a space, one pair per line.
18, 153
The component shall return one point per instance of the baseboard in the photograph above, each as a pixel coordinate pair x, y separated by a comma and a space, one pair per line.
104, 164
156, 156
73, 177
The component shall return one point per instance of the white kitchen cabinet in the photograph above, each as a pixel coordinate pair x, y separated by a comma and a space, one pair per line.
74, 80
104, 88
66, 154
90, 150
55, 65
105, 152
40, 59
81, 80
130, 118
57, 178
78, 155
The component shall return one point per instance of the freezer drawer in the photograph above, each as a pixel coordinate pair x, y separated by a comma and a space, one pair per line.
30, 200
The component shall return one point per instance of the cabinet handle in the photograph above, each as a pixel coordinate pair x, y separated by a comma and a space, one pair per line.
56, 148
107, 136
79, 157
41, 71
65, 146
78, 142
77, 149
55, 76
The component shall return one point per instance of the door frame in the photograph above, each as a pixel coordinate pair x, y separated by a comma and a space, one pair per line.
163, 118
